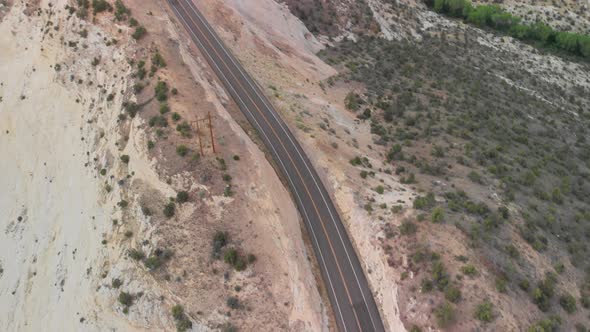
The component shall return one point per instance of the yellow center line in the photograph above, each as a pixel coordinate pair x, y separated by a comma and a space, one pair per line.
292, 162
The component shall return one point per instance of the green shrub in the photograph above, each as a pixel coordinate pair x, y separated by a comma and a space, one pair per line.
452, 294
116, 283
233, 302
484, 312
230, 256
438, 215
407, 228
550, 324
182, 150
182, 321
169, 210
158, 121
100, 6
161, 91
568, 303
158, 60
125, 159
353, 101
184, 129
379, 189
469, 270
426, 285
121, 11
219, 241
445, 314
153, 262
182, 197
136, 254
139, 33
125, 299
164, 108
424, 203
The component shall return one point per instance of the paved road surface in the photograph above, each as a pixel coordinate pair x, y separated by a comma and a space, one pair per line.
350, 295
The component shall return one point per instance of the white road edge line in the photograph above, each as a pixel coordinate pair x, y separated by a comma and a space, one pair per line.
283, 166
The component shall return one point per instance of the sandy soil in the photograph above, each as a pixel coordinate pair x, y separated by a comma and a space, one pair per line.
54, 211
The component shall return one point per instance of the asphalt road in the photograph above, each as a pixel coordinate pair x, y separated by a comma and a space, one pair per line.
350, 295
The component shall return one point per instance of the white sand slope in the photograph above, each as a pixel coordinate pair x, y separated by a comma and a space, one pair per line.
51, 221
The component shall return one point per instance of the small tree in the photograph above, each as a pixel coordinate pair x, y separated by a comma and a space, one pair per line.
484, 312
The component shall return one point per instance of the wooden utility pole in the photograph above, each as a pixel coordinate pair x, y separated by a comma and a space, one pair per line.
210, 124
211, 131
199, 135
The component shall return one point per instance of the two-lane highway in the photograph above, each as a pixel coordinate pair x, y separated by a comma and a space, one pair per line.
348, 289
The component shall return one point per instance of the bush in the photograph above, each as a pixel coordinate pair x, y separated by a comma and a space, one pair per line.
169, 210
158, 60
153, 262
161, 91
426, 285
136, 254
437, 215
125, 159
424, 203
219, 241
125, 299
184, 129
182, 197
233, 302
353, 101
164, 108
568, 303
445, 314
439, 275
379, 189
407, 228
230, 256
158, 121
139, 33
549, 324
469, 270
182, 321
116, 283
475, 177
182, 150
484, 312
544, 292
233, 258
452, 294
121, 11
100, 6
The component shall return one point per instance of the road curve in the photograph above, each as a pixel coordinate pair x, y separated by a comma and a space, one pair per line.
348, 289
